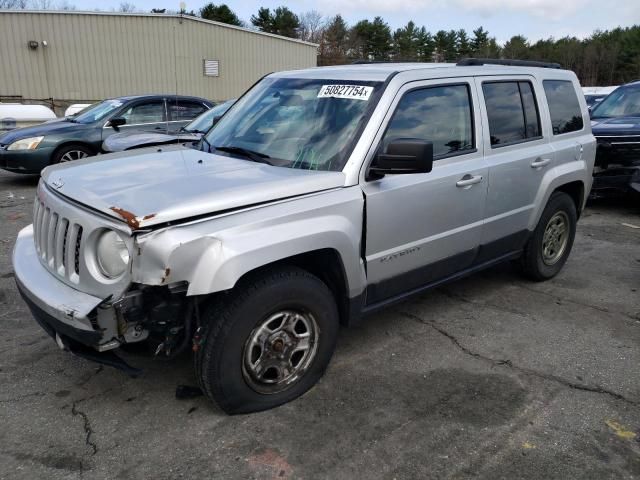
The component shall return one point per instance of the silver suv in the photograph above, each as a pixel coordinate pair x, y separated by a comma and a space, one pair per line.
321, 196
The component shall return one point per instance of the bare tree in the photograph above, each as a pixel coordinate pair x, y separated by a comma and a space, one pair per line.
126, 7
311, 27
42, 4
13, 4
65, 5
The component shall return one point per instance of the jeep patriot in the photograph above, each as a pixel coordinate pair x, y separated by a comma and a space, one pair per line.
320, 196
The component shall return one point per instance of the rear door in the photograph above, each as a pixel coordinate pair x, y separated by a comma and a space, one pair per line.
572, 139
182, 111
425, 226
518, 154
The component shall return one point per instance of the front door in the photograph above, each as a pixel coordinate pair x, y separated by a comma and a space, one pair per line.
141, 116
427, 226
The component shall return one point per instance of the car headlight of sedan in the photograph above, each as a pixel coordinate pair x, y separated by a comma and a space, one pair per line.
112, 254
30, 143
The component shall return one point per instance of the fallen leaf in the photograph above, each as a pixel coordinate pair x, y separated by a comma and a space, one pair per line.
620, 430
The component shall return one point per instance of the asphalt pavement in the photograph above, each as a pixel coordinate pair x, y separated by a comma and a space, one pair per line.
490, 377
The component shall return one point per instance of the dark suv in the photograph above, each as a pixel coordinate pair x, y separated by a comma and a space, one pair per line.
616, 125
29, 150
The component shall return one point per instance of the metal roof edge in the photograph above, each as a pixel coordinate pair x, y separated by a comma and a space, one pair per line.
161, 15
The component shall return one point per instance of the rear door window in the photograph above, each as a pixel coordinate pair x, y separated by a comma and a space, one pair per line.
512, 112
564, 108
183, 111
148, 112
441, 115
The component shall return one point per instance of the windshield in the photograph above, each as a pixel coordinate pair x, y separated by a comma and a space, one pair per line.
96, 112
299, 123
622, 102
204, 122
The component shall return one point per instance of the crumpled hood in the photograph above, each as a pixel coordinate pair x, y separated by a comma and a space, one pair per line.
616, 126
123, 141
153, 186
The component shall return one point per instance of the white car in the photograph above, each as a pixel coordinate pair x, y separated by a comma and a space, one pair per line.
16, 115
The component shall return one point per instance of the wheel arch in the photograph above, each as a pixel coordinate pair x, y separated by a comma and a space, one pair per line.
575, 190
324, 263
571, 178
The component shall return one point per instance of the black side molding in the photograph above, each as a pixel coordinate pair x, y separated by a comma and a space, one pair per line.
474, 62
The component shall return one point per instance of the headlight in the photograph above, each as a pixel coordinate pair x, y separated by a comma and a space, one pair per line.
30, 143
112, 254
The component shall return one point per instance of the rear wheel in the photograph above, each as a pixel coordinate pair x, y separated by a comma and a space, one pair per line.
71, 153
548, 248
269, 342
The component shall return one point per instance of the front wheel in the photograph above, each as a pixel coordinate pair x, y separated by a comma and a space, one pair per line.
548, 248
269, 342
71, 153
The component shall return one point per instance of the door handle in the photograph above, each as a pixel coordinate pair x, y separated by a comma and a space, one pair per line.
540, 162
468, 180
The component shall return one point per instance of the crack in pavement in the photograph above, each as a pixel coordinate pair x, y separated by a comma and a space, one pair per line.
527, 371
87, 427
576, 302
22, 397
455, 296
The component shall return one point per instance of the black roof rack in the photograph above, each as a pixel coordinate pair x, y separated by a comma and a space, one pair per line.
367, 62
468, 62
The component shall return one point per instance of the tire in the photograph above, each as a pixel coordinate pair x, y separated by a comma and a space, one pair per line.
259, 327
71, 153
539, 260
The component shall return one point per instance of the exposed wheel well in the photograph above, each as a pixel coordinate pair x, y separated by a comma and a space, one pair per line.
576, 191
325, 264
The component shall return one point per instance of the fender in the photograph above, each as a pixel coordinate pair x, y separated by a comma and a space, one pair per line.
213, 254
562, 174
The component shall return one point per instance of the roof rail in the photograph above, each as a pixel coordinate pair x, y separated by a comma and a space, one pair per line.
468, 62
367, 62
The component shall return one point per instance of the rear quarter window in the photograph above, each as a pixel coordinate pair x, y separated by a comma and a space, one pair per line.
564, 108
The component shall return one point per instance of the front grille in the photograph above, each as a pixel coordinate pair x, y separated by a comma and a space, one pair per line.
613, 139
57, 241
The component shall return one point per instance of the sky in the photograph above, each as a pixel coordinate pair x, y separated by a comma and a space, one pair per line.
534, 19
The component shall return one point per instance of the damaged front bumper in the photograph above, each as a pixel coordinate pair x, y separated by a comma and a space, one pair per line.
69, 316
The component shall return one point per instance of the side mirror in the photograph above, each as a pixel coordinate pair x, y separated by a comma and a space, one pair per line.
117, 122
406, 155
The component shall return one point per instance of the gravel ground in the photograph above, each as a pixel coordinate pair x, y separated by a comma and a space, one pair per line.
490, 377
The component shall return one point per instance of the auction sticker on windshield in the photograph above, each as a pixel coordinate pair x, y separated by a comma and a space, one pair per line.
356, 92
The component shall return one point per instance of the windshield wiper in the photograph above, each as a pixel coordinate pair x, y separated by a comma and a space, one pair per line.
250, 154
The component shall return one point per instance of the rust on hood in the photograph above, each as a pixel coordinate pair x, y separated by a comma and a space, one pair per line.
128, 217
131, 218
167, 271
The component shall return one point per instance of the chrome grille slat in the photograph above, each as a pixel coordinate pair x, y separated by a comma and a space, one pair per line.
36, 212
44, 230
38, 223
61, 232
53, 225
70, 255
